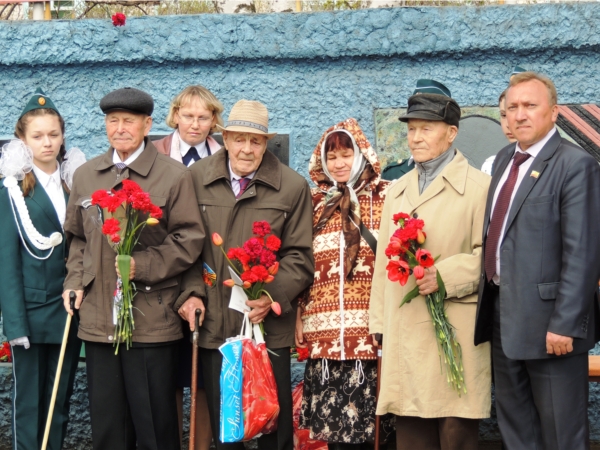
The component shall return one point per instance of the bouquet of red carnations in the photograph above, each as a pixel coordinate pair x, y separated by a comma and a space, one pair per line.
406, 256
258, 262
125, 214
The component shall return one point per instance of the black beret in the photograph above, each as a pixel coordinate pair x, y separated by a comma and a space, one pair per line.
434, 107
127, 99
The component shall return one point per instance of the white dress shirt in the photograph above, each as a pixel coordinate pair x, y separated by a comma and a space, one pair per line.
53, 187
235, 179
200, 148
132, 157
534, 150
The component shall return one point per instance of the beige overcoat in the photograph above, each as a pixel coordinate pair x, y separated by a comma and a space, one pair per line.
412, 384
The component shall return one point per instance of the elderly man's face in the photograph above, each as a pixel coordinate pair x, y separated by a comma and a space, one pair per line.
246, 151
126, 130
529, 112
428, 139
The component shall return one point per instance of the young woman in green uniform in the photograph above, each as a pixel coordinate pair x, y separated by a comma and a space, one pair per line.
33, 250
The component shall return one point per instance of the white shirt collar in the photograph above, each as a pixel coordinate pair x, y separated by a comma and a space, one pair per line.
132, 157
536, 148
184, 147
44, 178
235, 177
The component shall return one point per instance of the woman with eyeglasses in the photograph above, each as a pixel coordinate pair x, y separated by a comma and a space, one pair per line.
194, 113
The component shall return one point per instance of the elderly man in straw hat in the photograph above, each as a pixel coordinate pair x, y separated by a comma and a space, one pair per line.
235, 188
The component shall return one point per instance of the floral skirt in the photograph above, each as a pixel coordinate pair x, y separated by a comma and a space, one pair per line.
338, 402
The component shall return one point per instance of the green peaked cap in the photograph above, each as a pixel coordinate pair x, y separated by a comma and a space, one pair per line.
39, 100
425, 86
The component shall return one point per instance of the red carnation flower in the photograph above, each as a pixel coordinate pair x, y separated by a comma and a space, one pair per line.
261, 228
111, 226
249, 276
115, 238
400, 216
303, 353
140, 201
118, 19
424, 258
156, 212
273, 243
267, 258
261, 272
253, 247
131, 186
239, 254
398, 271
99, 197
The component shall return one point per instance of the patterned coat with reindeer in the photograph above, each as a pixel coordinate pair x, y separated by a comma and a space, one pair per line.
335, 313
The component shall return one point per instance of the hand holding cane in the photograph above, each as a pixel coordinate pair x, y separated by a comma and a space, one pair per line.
379, 339
194, 386
72, 297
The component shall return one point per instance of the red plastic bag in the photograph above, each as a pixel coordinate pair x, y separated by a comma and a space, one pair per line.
302, 440
259, 390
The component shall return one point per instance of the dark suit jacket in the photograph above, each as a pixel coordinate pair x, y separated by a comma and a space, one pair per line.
31, 289
549, 255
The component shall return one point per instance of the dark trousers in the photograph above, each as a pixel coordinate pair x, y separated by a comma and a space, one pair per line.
443, 433
34, 372
283, 438
541, 404
132, 397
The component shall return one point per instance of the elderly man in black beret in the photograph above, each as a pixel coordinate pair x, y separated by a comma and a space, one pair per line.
449, 196
132, 394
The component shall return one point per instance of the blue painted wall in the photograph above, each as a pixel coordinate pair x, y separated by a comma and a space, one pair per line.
311, 70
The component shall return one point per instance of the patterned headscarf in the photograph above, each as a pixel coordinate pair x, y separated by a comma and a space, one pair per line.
365, 173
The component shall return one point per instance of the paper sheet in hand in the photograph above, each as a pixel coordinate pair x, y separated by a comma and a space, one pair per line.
238, 296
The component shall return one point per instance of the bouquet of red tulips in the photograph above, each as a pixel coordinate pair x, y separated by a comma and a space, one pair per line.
122, 226
406, 256
256, 260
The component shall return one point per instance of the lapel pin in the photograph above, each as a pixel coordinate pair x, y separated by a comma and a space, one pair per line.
534, 174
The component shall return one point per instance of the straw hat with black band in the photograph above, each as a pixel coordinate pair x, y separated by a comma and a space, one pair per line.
248, 116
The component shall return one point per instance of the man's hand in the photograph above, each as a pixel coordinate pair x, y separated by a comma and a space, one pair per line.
67, 300
428, 284
375, 341
131, 268
188, 311
558, 345
300, 330
260, 308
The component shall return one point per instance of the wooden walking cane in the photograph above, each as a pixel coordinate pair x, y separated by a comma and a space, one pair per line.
61, 358
194, 386
379, 339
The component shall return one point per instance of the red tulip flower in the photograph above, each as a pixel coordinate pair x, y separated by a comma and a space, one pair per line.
398, 271
217, 239
424, 258
276, 307
419, 272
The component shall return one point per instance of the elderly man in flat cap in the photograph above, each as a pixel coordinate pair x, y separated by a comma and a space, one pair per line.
132, 394
449, 196
236, 187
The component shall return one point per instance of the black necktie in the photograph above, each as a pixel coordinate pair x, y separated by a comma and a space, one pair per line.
191, 156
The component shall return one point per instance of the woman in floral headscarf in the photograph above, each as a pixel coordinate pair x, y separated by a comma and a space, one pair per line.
338, 404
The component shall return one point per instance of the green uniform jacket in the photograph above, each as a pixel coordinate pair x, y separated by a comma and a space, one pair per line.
31, 289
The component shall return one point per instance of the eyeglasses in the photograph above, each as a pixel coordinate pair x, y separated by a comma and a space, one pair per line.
188, 120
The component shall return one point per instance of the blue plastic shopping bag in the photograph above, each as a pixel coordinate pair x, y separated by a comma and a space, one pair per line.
232, 419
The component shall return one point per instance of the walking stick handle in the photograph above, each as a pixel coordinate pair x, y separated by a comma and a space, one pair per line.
72, 298
197, 323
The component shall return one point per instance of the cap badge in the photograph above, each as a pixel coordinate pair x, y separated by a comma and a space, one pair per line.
42, 101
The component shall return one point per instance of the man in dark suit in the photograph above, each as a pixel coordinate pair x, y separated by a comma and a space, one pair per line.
539, 280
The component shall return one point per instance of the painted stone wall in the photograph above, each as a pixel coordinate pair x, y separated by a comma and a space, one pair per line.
311, 70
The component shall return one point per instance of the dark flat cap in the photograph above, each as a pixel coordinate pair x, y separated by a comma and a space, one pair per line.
127, 99
433, 107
